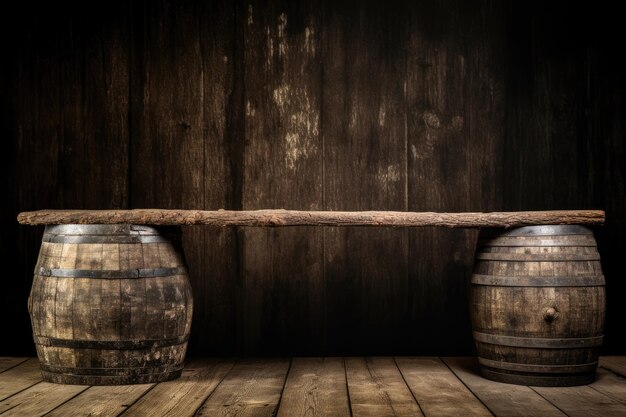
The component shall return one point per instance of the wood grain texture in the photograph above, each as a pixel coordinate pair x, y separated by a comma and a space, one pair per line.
501, 399
252, 388
582, 401
438, 118
315, 387
19, 378
376, 388
437, 390
167, 149
185, 395
8, 363
282, 79
215, 270
280, 217
364, 169
101, 401
615, 364
39, 399
611, 385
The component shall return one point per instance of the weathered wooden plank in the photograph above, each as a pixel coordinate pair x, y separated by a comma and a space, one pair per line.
376, 388
39, 399
282, 79
440, 115
437, 390
251, 388
36, 143
183, 396
610, 384
102, 166
103, 401
315, 387
216, 260
19, 378
582, 401
167, 150
280, 217
8, 363
501, 399
616, 364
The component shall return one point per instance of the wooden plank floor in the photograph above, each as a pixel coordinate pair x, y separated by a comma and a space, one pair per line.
294, 387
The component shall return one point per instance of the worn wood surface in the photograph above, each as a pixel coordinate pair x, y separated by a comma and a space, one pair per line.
377, 388
282, 79
437, 106
582, 401
320, 386
315, 387
499, 398
39, 399
281, 217
183, 396
437, 390
19, 378
252, 388
610, 384
616, 364
108, 401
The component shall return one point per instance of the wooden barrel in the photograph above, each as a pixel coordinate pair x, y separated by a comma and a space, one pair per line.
110, 304
537, 305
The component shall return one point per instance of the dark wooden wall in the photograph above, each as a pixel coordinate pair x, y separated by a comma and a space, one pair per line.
326, 105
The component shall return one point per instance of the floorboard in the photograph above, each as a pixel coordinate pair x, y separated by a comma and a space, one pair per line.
501, 399
616, 364
19, 378
105, 401
251, 388
582, 401
183, 396
376, 388
39, 399
437, 390
610, 384
314, 387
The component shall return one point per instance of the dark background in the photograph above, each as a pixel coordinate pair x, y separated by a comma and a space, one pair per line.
324, 105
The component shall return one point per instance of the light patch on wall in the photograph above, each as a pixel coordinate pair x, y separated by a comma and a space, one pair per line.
249, 109
250, 19
381, 115
309, 40
389, 174
270, 47
281, 95
302, 124
282, 41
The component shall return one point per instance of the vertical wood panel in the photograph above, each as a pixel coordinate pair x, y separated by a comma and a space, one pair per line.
37, 142
363, 117
168, 131
104, 163
283, 268
438, 120
217, 292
